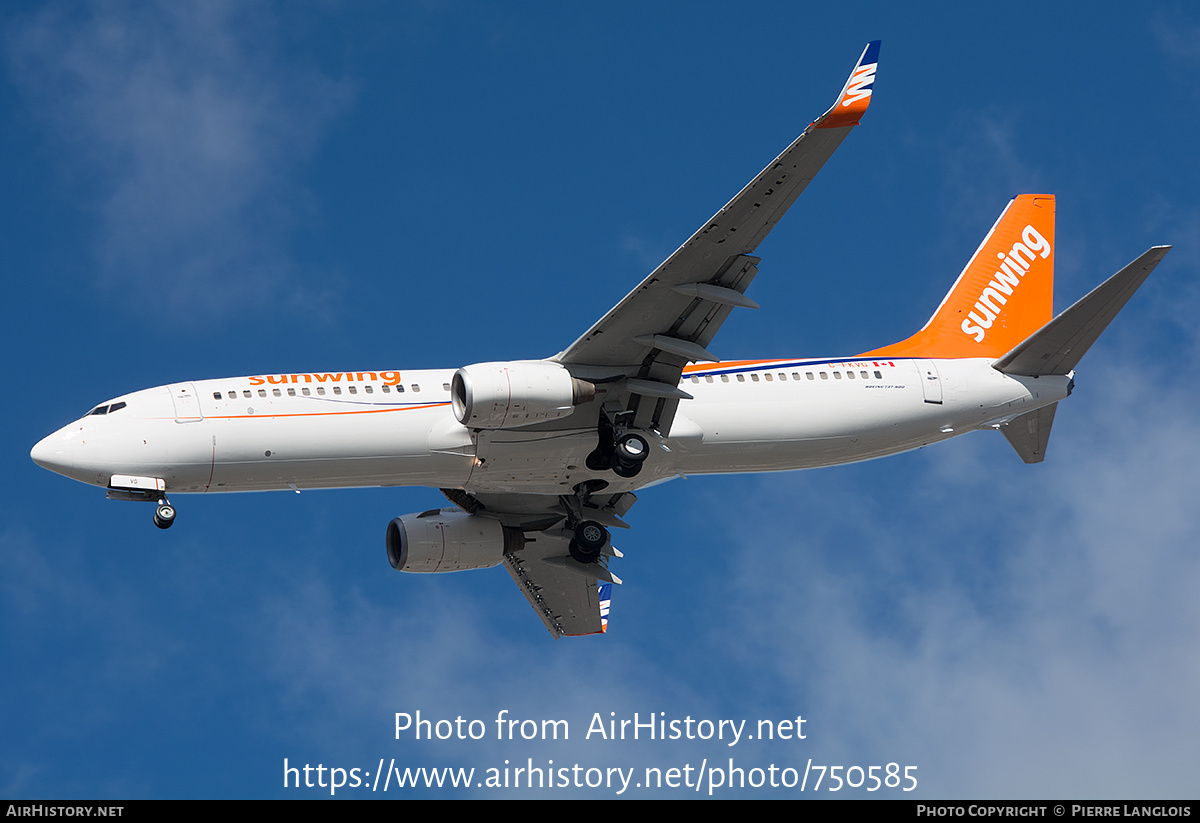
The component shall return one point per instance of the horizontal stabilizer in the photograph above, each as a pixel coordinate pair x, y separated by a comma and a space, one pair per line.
1029, 433
1058, 346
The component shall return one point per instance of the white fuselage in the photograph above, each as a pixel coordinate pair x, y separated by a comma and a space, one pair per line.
326, 430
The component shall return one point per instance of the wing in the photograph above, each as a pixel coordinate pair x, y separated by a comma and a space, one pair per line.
571, 598
638, 351
566, 596
672, 316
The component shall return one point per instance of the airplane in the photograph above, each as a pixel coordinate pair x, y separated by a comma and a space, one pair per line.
541, 459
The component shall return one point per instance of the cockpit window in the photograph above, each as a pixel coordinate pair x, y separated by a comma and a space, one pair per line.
106, 409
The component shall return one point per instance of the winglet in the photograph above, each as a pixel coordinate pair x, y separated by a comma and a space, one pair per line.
604, 592
856, 94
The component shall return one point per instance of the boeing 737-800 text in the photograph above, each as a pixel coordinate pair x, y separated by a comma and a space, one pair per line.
541, 458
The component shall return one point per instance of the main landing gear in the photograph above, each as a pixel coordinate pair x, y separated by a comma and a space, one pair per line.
620, 448
590, 539
164, 514
629, 452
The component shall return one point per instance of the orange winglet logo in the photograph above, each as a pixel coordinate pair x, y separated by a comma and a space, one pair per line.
856, 96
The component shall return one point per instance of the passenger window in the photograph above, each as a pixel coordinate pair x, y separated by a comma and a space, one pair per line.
770, 377
387, 389
863, 374
262, 392
824, 375
368, 389
354, 389
878, 376
416, 387
305, 391
724, 378
850, 374
795, 375
809, 375
291, 391
321, 390
337, 389
216, 395
837, 375
754, 377
445, 387
399, 388
246, 393
741, 378
708, 378
276, 392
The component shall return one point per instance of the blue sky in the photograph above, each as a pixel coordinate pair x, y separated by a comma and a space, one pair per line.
214, 189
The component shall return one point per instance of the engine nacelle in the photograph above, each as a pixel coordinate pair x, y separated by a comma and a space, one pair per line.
514, 394
449, 540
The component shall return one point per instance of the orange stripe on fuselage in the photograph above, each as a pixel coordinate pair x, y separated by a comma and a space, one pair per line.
320, 414
732, 364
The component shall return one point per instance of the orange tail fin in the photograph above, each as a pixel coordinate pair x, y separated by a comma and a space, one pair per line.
1004, 295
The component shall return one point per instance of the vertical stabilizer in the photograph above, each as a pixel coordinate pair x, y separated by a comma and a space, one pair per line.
1005, 294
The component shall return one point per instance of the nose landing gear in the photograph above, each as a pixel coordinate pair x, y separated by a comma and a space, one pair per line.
164, 514
145, 490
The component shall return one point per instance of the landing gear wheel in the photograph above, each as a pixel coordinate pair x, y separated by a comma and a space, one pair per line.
632, 448
582, 556
590, 539
629, 452
164, 515
624, 469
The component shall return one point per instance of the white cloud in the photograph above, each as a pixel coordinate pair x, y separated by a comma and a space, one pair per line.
185, 123
1022, 631
982, 156
1179, 39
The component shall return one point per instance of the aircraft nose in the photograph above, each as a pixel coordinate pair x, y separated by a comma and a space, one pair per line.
50, 453
42, 452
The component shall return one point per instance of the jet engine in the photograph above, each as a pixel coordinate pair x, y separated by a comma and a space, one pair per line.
517, 393
449, 540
